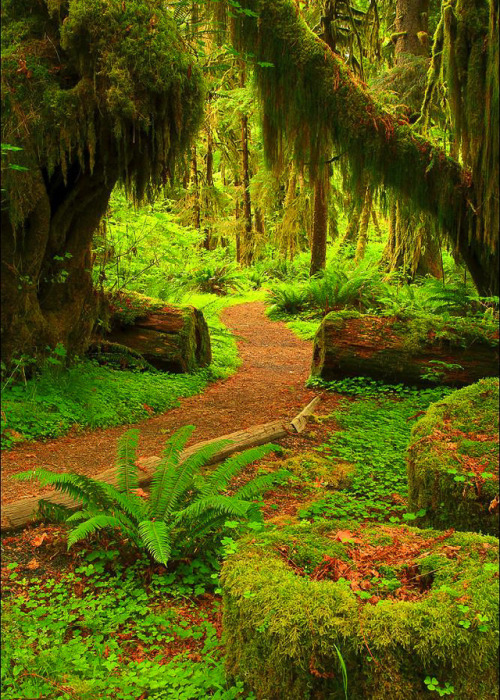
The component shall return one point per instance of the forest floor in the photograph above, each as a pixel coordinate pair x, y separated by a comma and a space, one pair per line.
269, 385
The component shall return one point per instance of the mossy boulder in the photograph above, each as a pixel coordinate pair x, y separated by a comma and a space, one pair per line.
394, 604
169, 337
453, 460
413, 349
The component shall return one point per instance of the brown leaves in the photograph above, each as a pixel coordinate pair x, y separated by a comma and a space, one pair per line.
347, 536
38, 540
33, 564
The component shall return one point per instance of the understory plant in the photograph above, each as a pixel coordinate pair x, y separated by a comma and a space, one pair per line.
184, 507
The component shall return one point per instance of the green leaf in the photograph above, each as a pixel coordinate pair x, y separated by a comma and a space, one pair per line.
156, 537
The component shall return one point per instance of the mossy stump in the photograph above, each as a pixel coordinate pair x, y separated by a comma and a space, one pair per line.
417, 350
394, 604
171, 338
453, 460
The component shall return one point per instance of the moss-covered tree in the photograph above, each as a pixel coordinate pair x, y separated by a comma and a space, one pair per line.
94, 92
313, 100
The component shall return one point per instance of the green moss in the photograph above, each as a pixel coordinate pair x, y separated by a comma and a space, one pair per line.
283, 630
450, 450
100, 82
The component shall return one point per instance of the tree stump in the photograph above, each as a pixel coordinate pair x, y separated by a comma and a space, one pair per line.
453, 461
418, 350
170, 338
307, 601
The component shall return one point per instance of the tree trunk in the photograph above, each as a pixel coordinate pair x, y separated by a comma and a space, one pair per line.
196, 188
237, 216
318, 242
363, 226
247, 256
46, 287
411, 28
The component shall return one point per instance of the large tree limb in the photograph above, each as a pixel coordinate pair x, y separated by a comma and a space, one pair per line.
310, 97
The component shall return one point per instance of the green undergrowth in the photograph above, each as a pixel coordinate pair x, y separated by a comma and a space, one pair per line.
107, 629
374, 431
89, 396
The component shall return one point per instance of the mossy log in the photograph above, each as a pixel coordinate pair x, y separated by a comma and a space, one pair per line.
414, 350
303, 601
173, 339
453, 460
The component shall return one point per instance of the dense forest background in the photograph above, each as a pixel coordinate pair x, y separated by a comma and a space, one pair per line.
270, 136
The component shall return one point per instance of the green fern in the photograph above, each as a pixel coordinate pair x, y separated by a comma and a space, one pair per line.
156, 537
126, 461
184, 506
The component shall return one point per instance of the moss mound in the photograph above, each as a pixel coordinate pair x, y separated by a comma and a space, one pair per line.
453, 460
396, 604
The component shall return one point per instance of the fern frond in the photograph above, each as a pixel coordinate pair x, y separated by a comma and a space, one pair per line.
64, 482
165, 474
172, 481
131, 504
232, 466
81, 515
98, 522
261, 484
156, 537
53, 512
126, 461
223, 505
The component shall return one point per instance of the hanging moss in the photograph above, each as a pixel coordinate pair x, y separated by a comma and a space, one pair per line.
95, 79
310, 98
453, 460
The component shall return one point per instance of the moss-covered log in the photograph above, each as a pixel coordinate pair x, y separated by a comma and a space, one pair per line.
310, 97
144, 332
422, 351
93, 92
174, 339
388, 603
453, 460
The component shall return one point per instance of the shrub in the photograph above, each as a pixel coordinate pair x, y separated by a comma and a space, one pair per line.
453, 460
183, 508
390, 606
213, 278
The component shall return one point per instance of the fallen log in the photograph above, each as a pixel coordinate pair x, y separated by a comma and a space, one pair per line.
20, 513
299, 422
171, 338
417, 350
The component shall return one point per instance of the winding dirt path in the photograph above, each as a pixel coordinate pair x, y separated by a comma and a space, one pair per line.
269, 385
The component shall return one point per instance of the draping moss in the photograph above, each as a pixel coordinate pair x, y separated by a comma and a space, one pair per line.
453, 460
284, 631
310, 98
94, 80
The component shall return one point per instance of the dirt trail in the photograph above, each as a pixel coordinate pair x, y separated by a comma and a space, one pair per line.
269, 385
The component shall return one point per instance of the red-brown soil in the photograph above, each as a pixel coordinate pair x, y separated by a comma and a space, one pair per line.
269, 385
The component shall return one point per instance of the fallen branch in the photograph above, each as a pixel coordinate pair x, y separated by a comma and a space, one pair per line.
25, 511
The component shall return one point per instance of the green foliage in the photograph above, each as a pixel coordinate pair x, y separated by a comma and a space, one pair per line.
373, 435
184, 507
100, 631
216, 279
337, 287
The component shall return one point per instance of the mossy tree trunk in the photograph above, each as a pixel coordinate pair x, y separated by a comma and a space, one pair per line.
311, 85
46, 288
320, 225
363, 225
247, 256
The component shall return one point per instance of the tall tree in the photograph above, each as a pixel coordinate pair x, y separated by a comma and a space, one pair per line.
93, 92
